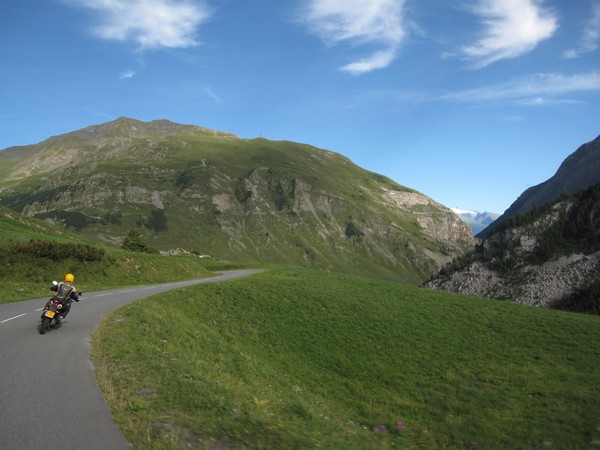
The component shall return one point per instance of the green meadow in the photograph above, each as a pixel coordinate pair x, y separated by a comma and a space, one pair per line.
26, 276
301, 359
304, 359
34, 253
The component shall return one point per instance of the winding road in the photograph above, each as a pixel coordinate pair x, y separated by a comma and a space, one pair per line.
48, 379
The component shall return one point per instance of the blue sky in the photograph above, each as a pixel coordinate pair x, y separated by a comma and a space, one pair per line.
468, 101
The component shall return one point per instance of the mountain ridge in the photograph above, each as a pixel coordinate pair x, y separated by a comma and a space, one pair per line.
578, 171
544, 250
239, 199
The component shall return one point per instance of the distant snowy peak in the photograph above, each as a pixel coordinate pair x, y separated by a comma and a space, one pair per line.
484, 217
463, 212
478, 221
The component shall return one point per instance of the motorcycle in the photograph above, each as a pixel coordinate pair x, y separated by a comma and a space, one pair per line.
51, 313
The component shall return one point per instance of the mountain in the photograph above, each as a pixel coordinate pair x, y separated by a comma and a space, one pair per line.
545, 249
549, 256
478, 221
244, 200
577, 172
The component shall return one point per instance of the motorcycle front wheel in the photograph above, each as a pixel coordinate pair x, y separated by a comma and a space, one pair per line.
45, 323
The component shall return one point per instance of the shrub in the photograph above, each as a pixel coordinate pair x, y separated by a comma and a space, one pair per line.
57, 251
134, 242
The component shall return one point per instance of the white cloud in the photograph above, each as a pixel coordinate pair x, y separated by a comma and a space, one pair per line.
127, 74
543, 89
544, 101
378, 60
590, 39
512, 28
209, 91
536, 90
359, 22
152, 24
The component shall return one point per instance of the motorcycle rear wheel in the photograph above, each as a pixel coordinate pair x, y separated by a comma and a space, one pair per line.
44, 326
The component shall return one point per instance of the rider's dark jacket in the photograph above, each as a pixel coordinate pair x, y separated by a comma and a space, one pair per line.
65, 293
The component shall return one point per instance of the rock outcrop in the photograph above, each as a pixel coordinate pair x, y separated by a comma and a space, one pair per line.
549, 257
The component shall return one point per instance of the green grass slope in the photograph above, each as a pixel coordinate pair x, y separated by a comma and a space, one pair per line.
17, 226
236, 199
33, 253
297, 359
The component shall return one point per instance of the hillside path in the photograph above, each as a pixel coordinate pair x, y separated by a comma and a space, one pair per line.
49, 379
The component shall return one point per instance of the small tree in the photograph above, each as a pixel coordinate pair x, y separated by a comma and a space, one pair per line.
134, 241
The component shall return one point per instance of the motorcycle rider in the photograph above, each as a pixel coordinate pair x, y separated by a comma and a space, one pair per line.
65, 292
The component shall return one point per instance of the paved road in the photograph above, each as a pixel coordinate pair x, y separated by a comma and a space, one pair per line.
34, 366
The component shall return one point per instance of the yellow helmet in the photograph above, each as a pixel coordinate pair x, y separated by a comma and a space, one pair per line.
69, 278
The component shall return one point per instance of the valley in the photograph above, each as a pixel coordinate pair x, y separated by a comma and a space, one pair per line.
334, 344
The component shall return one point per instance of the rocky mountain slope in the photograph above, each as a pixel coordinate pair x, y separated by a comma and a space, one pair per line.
547, 257
245, 200
577, 172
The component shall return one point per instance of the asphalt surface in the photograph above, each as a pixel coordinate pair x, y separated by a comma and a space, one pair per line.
49, 398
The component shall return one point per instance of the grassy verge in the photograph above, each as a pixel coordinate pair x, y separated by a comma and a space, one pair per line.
297, 359
25, 276
34, 253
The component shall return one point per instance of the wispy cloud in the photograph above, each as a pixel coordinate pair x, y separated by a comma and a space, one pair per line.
513, 118
359, 22
101, 114
544, 89
209, 91
151, 24
536, 90
512, 28
590, 38
127, 74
